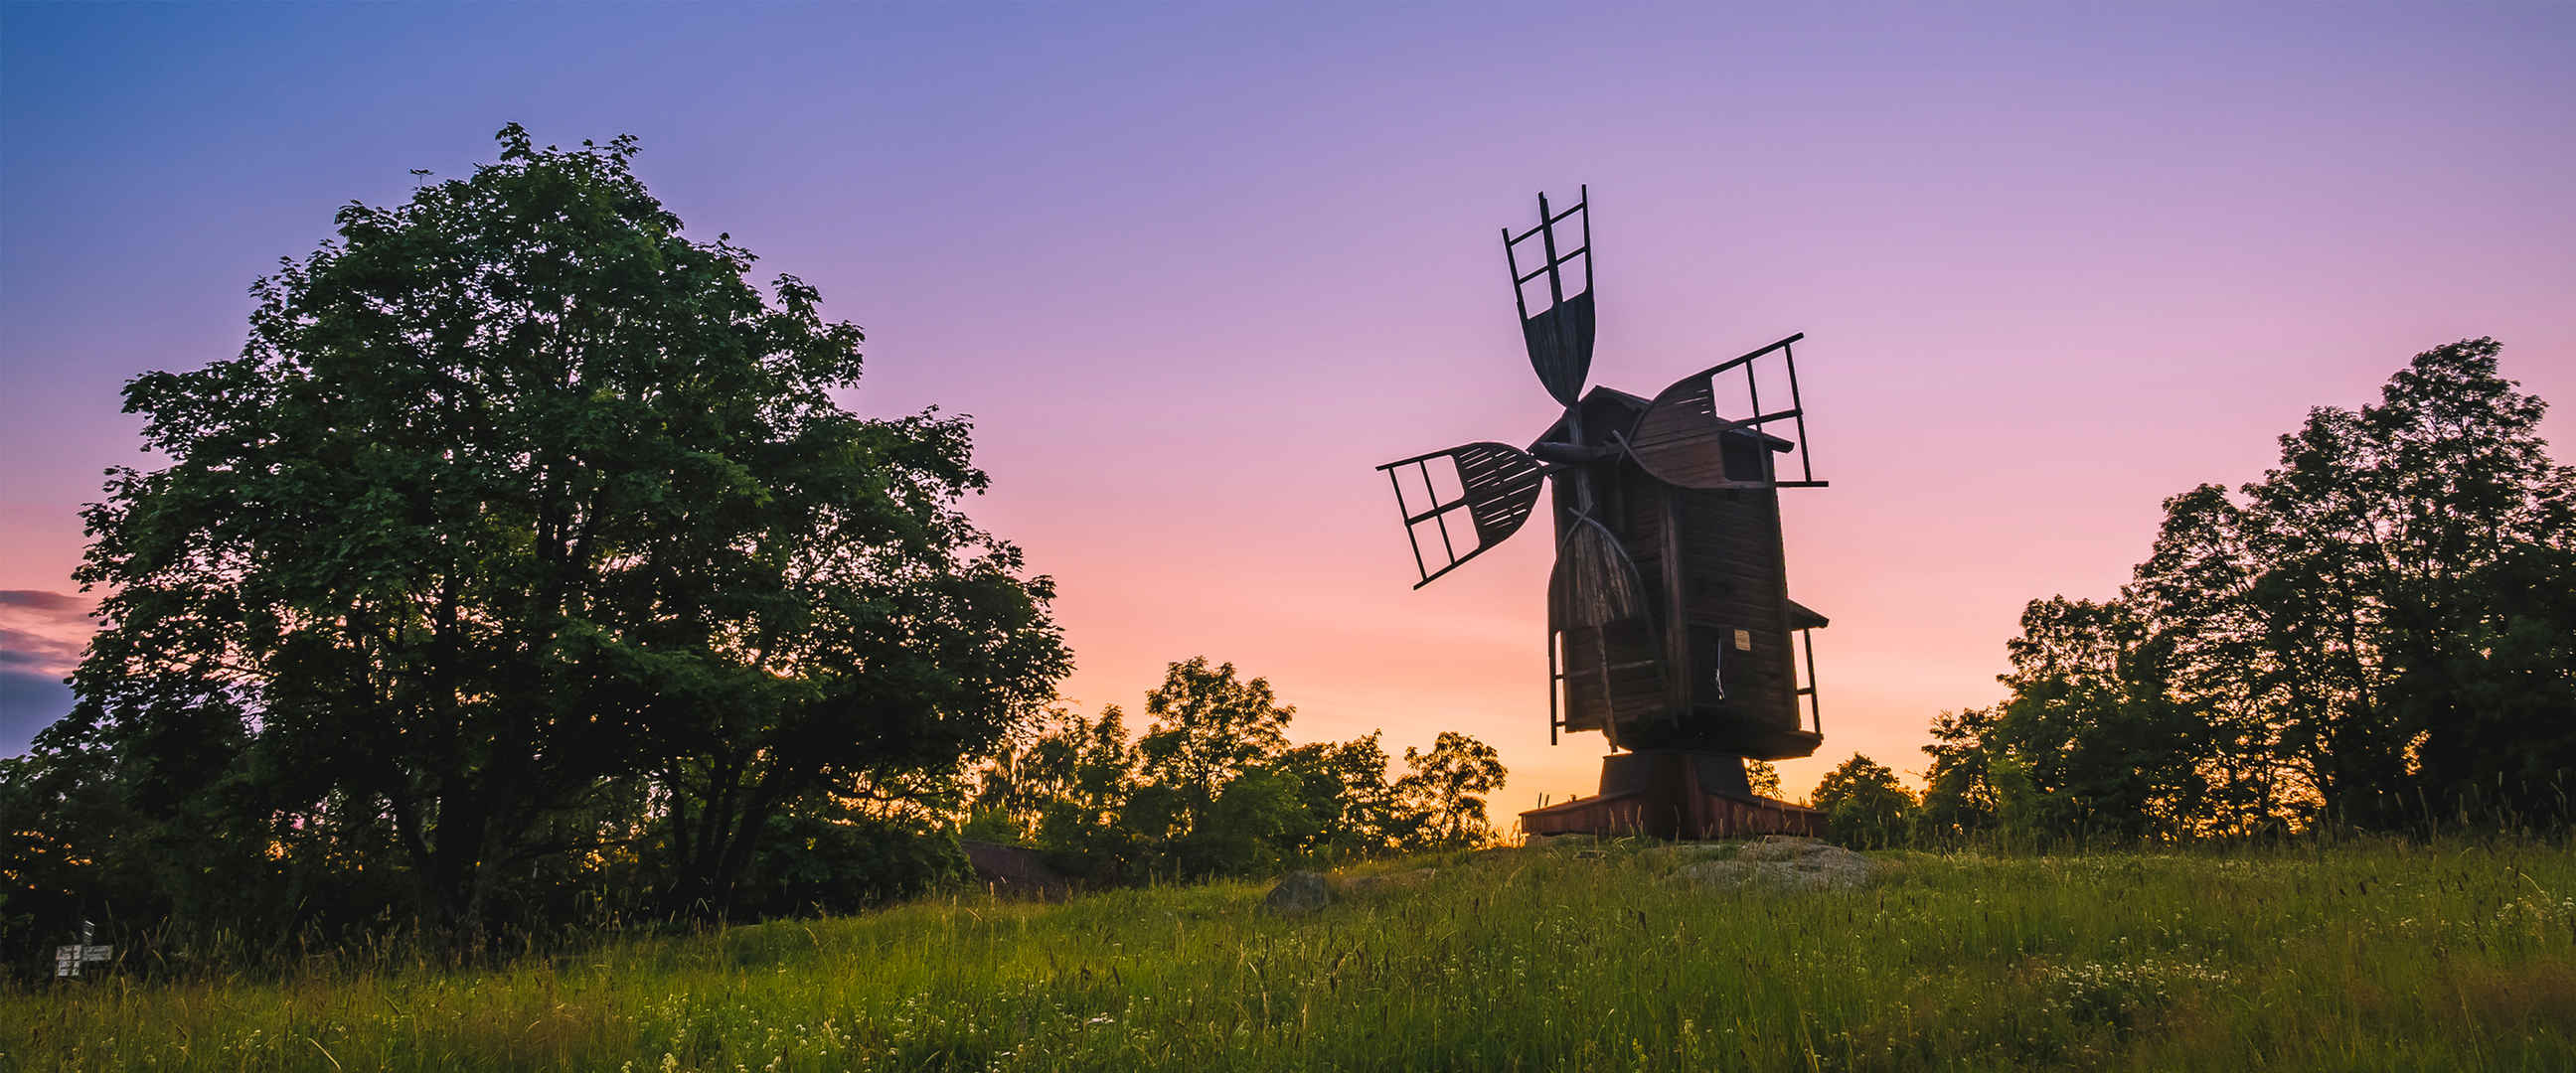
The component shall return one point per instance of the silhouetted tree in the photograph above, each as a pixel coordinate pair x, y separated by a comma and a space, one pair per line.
1214, 787
2379, 626
2198, 588
1959, 794
515, 498
2092, 720
1762, 778
1444, 790
1209, 729
2431, 517
1864, 804
1353, 809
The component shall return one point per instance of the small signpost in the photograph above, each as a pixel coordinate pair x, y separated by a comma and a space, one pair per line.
69, 958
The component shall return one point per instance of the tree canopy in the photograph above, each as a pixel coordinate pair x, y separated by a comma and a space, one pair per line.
1213, 787
2377, 632
522, 525
1863, 802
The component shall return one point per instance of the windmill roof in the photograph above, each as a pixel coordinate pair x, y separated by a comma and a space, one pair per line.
1637, 401
1633, 405
1592, 400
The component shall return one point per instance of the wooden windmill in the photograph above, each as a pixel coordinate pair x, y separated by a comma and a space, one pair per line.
1670, 629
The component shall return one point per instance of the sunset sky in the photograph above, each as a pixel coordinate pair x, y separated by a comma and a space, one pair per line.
1195, 272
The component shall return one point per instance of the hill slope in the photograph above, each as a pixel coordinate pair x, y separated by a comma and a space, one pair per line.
2381, 956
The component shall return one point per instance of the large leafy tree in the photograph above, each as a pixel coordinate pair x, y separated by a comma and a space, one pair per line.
2458, 529
2379, 626
1445, 787
2198, 589
1355, 812
2093, 720
1210, 727
516, 500
2384, 612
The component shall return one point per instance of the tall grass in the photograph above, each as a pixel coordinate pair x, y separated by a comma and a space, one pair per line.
2376, 955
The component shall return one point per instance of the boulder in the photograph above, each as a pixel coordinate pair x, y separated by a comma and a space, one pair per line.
1015, 870
1298, 893
1784, 863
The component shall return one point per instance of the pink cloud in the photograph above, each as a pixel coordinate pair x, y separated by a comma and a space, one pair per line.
43, 632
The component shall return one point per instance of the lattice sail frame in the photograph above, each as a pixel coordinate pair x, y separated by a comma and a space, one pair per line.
1498, 487
1677, 438
1560, 336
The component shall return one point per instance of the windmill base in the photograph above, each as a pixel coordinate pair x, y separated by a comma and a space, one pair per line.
1674, 794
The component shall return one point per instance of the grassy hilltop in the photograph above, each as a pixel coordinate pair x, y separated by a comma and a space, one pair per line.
2380, 956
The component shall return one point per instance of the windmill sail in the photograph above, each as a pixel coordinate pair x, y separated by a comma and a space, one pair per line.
1595, 580
1497, 485
1684, 437
1560, 346
1603, 641
1559, 335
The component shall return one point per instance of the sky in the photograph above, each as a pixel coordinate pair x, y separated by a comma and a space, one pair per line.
1196, 269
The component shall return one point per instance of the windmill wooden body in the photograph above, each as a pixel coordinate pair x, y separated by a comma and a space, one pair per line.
1670, 628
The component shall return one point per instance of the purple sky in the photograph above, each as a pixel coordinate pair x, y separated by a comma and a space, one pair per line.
1195, 273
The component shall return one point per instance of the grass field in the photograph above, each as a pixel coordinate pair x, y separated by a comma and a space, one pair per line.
2378, 957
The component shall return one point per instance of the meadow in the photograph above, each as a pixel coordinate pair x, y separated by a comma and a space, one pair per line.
2376, 955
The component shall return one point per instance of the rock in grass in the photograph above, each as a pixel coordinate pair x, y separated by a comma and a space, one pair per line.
1785, 864
1298, 893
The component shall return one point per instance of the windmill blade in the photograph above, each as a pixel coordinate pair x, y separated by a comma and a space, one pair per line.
1597, 613
1559, 335
1684, 438
1560, 346
1595, 581
1496, 484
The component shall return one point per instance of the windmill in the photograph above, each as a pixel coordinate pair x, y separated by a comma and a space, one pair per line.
1669, 624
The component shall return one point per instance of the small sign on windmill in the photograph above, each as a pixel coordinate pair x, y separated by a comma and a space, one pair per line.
71, 958
1670, 628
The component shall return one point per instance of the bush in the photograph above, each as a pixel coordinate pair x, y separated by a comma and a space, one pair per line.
839, 861
1864, 805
